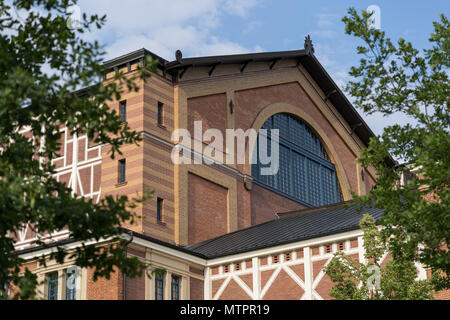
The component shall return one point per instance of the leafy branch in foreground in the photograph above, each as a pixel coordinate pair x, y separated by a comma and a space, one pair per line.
43, 63
396, 280
397, 78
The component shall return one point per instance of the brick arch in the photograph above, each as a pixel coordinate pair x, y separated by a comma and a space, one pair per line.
281, 107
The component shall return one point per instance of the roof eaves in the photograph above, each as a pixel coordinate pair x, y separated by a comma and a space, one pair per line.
126, 232
234, 59
133, 56
165, 244
340, 101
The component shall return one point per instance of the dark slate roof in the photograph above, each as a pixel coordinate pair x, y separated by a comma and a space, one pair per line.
181, 63
133, 57
290, 227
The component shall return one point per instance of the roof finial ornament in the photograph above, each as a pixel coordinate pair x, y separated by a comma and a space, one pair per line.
308, 45
178, 55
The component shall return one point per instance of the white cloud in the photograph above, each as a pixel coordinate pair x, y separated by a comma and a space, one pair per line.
326, 20
325, 25
163, 27
323, 33
325, 54
240, 7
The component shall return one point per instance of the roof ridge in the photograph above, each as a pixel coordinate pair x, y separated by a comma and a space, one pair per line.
301, 212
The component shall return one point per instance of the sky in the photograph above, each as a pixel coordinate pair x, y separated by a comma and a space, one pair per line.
219, 27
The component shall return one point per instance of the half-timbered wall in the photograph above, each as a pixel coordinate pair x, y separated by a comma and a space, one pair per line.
293, 272
79, 167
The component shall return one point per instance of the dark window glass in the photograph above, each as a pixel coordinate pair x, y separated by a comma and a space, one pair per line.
52, 286
123, 111
305, 170
298, 175
159, 286
282, 183
121, 173
281, 122
175, 288
159, 209
160, 113
314, 183
71, 282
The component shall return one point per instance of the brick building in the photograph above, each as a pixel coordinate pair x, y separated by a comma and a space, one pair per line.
221, 230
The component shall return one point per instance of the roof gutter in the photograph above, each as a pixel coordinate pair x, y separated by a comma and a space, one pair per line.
137, 238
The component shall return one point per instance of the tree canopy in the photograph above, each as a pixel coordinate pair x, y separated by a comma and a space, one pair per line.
394, 77
374, 280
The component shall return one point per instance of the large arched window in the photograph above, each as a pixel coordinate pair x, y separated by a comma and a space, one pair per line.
305, 173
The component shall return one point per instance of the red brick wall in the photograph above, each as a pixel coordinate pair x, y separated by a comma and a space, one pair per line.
13, 290
443, 295
158, 175
284, 288
196, 289
325, 285
234, 292
207, 209
215, 286
244, 206
265, 204
196, 271
211, 110
135, 288
157, 89
133, 184
104, 289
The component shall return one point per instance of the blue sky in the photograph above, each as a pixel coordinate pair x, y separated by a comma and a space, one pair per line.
216, 27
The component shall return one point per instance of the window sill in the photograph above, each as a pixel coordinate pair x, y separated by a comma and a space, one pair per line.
162, 126
161, 223
121, 184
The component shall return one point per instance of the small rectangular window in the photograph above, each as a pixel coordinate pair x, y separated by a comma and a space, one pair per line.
52, 286
175, 288
160, 113
287, 257
121, 171
341, 246
123, 110
159, 209
159, 286
238, 266
328, 248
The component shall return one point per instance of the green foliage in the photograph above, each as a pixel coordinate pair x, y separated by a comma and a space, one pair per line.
397, 78
42, 64
358, 281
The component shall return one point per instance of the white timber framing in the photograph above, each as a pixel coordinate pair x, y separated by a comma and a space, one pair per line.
307, 285
74, 182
